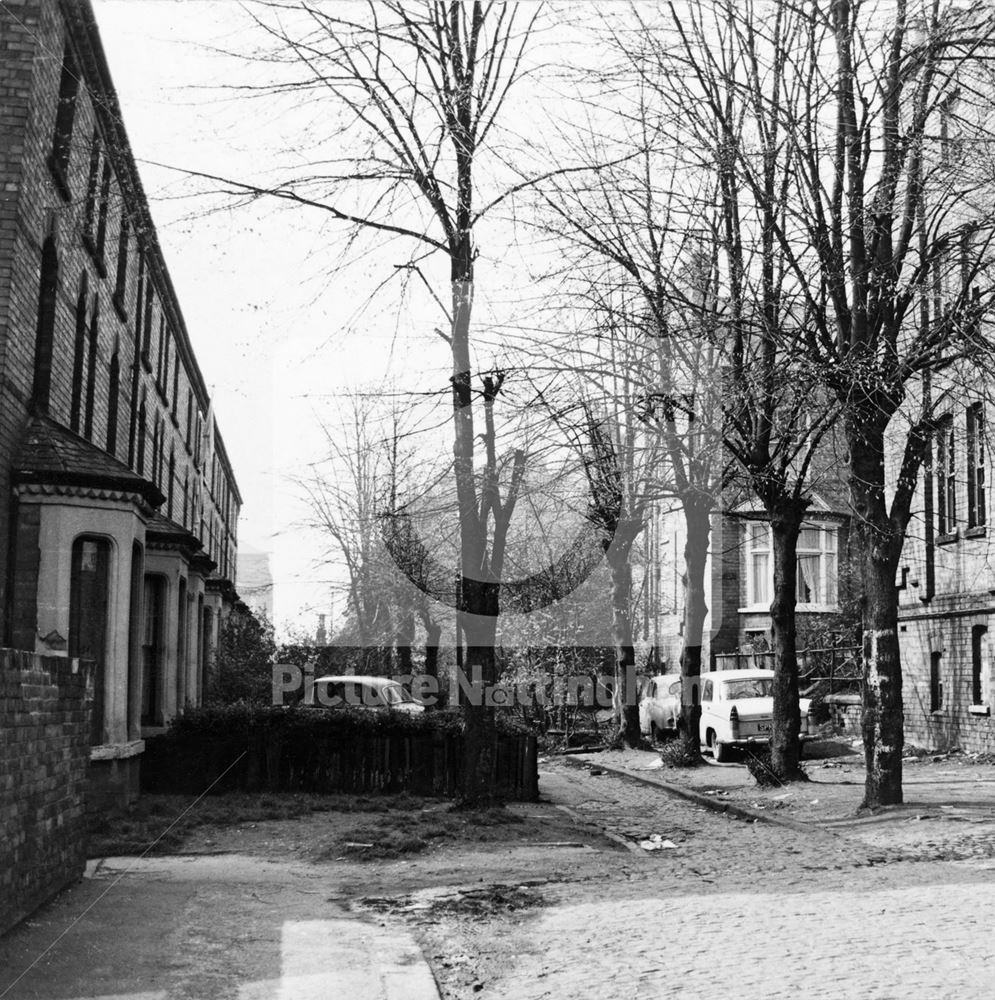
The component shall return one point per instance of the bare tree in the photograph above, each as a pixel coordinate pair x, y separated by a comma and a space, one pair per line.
837, 114
418, 92
634, 249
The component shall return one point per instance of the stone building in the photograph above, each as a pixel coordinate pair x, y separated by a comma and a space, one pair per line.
118, 505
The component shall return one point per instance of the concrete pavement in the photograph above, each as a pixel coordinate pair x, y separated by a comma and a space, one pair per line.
223, 927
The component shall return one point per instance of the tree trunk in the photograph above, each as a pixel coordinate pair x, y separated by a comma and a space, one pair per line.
785, 745
878, 544
698, 527
404, 638
626, 694
433, 633
479, 734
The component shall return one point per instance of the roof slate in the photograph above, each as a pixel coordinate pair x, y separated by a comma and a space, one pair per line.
51, 453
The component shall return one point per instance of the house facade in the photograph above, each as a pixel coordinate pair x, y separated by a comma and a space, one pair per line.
947, 584
118, 504
739, 580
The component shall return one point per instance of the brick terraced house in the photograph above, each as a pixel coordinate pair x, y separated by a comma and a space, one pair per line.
947, 583
118, 505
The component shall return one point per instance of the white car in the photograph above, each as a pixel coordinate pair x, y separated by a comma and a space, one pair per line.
660, 706
354, 691
737, 710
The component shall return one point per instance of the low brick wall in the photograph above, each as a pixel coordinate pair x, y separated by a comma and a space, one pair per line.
44, 758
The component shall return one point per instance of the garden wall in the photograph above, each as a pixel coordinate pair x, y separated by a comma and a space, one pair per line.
45, 704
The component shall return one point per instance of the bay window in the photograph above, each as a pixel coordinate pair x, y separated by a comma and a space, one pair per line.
816, 565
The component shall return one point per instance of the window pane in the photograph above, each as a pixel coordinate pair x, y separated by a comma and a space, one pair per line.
829, 583
760, 581
807, 590
810, 539
756, 687
758, 536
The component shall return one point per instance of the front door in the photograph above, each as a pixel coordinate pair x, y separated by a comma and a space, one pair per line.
153, 650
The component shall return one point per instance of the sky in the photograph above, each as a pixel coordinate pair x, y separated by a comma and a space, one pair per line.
276, 336
279, 334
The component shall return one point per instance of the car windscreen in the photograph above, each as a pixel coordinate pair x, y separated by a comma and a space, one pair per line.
396, 695
749, 687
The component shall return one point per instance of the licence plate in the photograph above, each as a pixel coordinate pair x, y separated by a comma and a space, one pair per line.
765, 727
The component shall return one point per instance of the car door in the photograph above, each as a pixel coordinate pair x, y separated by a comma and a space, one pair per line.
673, 708
707, 708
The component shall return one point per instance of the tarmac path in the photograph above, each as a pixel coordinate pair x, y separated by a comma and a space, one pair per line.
213, 927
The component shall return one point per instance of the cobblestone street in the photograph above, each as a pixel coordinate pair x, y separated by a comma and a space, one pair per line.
734, 909
927, 941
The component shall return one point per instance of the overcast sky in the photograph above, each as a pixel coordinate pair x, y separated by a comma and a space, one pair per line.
274, 333
278, 334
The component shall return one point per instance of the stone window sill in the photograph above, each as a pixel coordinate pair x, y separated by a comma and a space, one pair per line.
117, 751
946, 539
979, 709
978, 532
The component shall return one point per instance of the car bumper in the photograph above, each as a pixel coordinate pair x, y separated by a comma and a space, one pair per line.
763, 740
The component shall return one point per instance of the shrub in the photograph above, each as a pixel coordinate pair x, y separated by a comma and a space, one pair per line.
675, 754
819, 710
254, 747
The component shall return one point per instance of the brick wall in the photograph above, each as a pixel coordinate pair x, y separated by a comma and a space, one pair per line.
941, 624
143, 326
44, 757
25, 559
18, 32
946, 630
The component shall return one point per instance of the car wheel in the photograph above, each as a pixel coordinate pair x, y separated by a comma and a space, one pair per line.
720, 751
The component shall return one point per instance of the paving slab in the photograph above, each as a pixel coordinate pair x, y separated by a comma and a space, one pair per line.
225, 927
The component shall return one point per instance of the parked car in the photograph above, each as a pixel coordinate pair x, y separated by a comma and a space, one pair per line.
660, 706
737, 710
353, 691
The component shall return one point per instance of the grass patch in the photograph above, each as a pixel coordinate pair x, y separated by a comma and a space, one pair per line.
161, 820
395, 833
